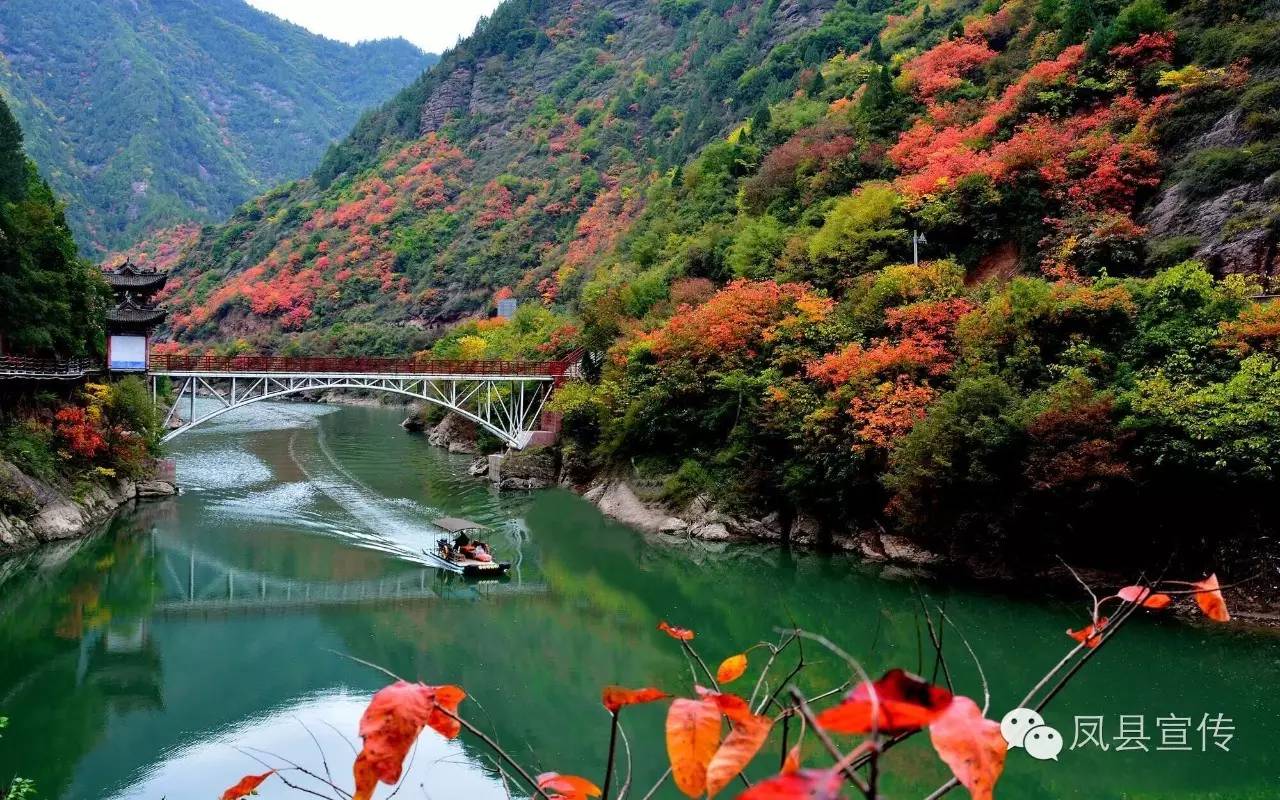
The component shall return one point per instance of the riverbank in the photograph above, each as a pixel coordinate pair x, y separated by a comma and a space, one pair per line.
51, 513
643, 505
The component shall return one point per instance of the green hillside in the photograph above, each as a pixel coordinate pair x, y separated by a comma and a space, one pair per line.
152, 113
718, 201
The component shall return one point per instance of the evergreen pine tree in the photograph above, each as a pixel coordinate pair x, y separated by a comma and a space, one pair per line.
760, 120
51, 302
875, 53
879, 93
817, 85
13, 164
1047, 13
1078, 19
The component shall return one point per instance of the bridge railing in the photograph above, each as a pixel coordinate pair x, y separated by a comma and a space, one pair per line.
372, 366
31, 367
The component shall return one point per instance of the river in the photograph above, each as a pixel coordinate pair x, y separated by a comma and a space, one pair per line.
159, 658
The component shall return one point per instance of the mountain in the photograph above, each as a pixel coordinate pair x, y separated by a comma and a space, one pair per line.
519, 160
149, 113
724, 202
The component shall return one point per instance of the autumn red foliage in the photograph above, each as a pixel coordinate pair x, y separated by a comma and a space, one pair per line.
683, 634
83, 436
896, 703
246, 785
391, 723
739, 320
616, 698
946, 65
567, 787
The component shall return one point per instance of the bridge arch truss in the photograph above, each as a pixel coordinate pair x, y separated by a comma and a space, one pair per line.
508, 405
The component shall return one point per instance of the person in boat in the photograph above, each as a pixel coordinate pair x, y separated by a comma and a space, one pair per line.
476, 551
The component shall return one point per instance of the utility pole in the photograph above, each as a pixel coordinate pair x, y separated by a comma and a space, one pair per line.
917, 239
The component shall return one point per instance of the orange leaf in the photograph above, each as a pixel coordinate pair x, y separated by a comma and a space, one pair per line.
737, 750
792, 762
807, 784
1143, 595
615, 697
447, 698
246, 785
1090, 635
906, 703
693, 735
972, 746
683, 634
732, 668
567, 787
391, 723
732, 706
1210, 599
366, 775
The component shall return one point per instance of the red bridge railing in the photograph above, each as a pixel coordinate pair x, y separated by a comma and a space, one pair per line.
378, 366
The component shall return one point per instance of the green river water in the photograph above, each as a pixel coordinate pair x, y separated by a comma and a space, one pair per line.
153, 660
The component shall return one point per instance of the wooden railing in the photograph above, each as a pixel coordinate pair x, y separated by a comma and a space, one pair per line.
47, 368
378, 366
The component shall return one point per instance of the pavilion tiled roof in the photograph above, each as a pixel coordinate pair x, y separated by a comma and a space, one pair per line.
136, 279
130, 313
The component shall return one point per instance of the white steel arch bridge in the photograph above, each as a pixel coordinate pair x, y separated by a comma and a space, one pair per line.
506, 398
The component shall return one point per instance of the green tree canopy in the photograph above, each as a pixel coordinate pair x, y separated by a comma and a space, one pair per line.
51, 302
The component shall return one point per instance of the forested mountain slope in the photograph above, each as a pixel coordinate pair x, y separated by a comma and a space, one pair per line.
519, 161
719, 198
147, 113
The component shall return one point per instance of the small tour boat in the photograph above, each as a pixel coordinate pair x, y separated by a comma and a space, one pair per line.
464, 554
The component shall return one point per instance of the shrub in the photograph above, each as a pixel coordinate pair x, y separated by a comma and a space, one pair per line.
1212, 170
29, 445
686, 483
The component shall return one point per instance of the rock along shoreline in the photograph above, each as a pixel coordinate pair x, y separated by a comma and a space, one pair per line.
57, 516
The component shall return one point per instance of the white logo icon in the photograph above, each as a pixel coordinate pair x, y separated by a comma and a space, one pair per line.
1043, 743
1017, 722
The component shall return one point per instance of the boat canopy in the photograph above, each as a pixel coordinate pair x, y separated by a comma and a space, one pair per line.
457, 525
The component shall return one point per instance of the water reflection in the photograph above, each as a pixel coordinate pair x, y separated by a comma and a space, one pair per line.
149, 661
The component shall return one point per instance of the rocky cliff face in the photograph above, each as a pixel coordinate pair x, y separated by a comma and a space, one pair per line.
1229, 230
50, 514
452, 97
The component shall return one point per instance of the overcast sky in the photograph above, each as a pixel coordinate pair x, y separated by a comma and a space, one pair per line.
433, 25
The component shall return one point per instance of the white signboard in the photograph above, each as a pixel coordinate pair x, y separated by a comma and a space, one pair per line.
127, 353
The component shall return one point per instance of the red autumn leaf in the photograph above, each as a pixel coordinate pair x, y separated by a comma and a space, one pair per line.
791, 763
736, 751
1143, 595
447, 698
732, 668
1209, 598
807, 784
246, 785
391, 724
616, 697
972, 746
693, 735
567, 787
683, 634
906, 703
732, 706
1090, 635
